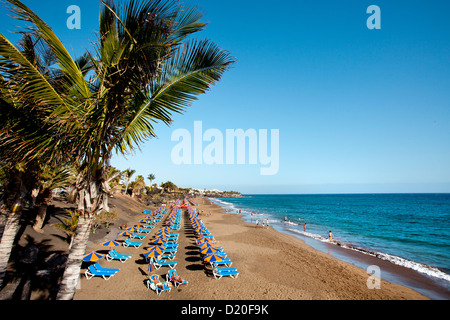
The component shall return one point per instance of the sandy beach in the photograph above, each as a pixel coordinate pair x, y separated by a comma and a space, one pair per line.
272, 266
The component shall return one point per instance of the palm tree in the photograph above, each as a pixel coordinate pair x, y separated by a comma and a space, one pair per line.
137, 185
128, 174
151, 177
169, 186
143, 70
113, 178
28, 142
51, 178
69, 225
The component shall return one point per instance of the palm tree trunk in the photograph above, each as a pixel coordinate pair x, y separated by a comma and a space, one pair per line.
7, 241
126, 188
12, 203
73, 266
40, 217
3, 220
42, 200
91, 200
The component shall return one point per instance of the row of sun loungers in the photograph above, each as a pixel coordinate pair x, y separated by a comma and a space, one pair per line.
211, 253
167, 243
195, 204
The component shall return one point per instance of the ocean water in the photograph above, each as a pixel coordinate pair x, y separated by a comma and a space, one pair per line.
411, 230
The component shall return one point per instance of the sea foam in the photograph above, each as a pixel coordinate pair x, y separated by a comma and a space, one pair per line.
419, 267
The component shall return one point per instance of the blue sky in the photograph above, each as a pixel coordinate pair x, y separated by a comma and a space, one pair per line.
357, 110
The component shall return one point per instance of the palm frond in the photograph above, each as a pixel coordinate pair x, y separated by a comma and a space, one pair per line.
25, 76
63, 58
187, 23
191, 71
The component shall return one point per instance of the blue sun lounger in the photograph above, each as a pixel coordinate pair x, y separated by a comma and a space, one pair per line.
144, 230
225, 262
172, 273
98, 271
224, 272
100, 268
137, 236
129, 243
170, 251
114, 255
169, 245
168, 257
162, 263
155, 284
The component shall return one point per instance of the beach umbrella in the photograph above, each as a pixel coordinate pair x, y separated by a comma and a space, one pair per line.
155, 248
201, 228
124, 233
206, 245
209, 250
153, 251
213, 258
92, 257
132, 229
203, 240
110, 243
161, 235
158, 241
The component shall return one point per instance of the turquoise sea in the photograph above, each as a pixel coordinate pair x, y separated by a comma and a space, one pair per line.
410, 230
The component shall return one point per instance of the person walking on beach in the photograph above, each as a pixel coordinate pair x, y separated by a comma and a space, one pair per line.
330, 235
304, 227
267, 223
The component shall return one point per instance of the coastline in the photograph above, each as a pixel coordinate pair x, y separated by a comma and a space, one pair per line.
435, 289
272, 266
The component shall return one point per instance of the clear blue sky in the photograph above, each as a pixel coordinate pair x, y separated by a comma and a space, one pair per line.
358, 110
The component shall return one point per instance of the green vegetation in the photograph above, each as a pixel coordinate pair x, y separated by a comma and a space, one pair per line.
69, 225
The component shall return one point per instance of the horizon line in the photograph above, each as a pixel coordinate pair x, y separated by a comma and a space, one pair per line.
341, 193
